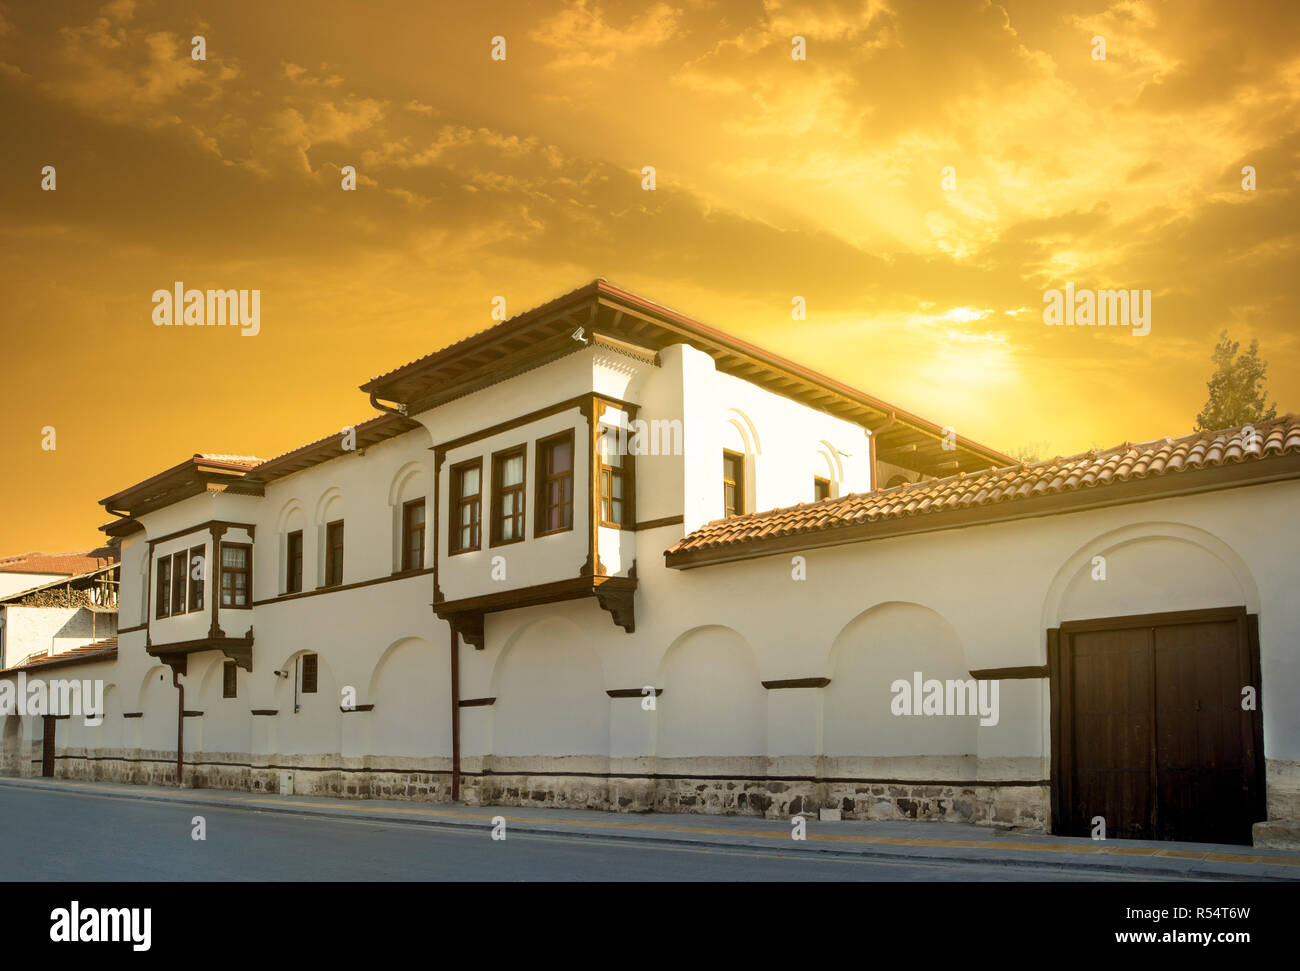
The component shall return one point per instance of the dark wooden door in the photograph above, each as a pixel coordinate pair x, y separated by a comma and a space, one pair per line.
1112, 731
1202, 734
1149, 731
47, 747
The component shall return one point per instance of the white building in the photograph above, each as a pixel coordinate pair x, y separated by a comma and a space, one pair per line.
474, 595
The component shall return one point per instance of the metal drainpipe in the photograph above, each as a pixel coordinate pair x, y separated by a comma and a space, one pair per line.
180, 725
455, 716
379, 405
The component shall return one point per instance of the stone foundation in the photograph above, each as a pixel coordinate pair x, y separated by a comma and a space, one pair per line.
757, 786
770, 788
370, 777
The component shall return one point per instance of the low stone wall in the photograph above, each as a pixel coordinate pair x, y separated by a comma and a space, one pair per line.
425, 780
770, 788
761, 787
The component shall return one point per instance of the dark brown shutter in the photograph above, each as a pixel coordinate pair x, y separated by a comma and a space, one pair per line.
309, 674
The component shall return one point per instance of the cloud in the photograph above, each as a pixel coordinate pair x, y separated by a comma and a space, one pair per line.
581, 37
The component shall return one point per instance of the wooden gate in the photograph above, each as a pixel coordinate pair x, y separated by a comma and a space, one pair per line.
1149, 731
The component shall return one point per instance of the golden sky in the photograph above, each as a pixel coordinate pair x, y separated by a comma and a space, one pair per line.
820, 178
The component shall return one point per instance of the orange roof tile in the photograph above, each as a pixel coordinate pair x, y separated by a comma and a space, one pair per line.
1089, 470
99, 650
70, 564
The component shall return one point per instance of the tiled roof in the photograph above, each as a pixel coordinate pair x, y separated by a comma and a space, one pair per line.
374, 429
245, 460
1088, 470
69, 564
99, 650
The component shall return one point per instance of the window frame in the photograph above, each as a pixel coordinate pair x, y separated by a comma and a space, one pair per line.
408, 508
195, 604
292, 582
177, 563
246, 570
625, 472
330, 559
499, 460
229, 679
457, 500
543, 479
303, 687
738, 483
162, 587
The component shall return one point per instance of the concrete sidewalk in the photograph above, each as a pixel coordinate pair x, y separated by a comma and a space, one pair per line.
951, 843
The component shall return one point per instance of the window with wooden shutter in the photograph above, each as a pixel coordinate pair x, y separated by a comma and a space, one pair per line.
228, 679
179, 574
293, 563
413, 534
334, 553
466, 506
615, 494
733, 483
197, 564
163, 594
554, 484
236, 575
508, 496
309, 674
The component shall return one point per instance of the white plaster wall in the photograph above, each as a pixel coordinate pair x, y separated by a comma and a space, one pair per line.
411, 692
558, 556
31, 630
550, 693
713, 701
18, 582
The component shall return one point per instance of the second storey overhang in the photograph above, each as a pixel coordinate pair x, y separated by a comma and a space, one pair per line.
601, 310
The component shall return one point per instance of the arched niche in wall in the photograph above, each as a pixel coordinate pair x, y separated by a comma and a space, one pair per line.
411, 693
410, 483
550, 695
713, 702
1149, 568
314, 726
884, 644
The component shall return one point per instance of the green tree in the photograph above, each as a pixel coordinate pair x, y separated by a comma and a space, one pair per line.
1237, 394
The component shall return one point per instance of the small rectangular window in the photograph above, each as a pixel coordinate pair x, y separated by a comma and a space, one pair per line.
733, 483
228, 680
163, 593
413, 535
293, 563
821, 488
309, 674
554, 484
178, 581
334, 553
198, 567
508, 496
466, 506
613, 486
236, 574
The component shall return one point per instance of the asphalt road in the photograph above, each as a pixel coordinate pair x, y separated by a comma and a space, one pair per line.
84, 837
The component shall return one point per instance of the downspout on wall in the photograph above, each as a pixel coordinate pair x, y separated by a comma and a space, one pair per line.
455, 715
180, 725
